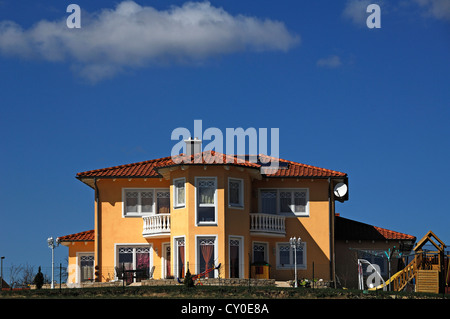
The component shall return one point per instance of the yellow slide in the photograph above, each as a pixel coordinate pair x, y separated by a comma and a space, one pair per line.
395, 276
387, 282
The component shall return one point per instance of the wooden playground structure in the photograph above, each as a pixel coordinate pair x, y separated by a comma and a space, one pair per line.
429, 270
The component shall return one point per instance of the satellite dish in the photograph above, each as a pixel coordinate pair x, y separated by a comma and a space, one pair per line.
340, 190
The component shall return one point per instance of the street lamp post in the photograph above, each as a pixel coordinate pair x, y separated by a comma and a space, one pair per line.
294, 243
52, 244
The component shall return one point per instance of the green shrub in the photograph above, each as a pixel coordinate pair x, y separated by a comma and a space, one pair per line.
188, 281
39, 279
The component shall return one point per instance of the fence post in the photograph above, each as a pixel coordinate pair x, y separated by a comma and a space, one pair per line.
60, 278
249, 271
314, 283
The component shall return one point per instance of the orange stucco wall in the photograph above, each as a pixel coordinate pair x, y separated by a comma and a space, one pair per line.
313, 229
75, 249
119, 230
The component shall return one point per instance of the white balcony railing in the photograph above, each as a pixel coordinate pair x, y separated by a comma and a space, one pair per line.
156, 225
268, 224
262, 224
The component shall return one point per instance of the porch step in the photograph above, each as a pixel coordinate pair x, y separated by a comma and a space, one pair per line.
282, 284
135, 284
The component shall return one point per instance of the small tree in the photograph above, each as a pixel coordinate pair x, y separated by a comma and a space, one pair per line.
39, 279
14, 275
188, 281
27, 275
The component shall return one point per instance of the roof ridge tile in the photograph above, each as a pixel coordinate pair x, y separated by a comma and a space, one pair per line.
148, 168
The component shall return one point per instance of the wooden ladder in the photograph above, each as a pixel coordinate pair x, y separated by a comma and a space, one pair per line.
401, 279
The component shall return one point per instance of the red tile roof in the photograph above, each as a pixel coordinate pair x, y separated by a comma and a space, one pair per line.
150, 168
347, 229
294, 169
83, 236
141, 169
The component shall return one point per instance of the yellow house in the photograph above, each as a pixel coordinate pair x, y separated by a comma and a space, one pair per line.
163, 217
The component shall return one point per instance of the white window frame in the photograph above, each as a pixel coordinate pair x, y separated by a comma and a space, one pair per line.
155, 196
164, 247
206, 223
291, 265
175, 193
134, 245
241, 193
292, 190
78, 268
198, 252
174, 253
266, 250
139, 212
240, 239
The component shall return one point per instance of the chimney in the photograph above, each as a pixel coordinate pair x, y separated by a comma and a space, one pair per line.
193, 146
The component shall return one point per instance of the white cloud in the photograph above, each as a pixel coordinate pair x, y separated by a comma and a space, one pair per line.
332, 62
439, 9
132, 36
355, 10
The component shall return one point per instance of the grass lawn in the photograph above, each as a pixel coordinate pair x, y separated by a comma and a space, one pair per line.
210, 292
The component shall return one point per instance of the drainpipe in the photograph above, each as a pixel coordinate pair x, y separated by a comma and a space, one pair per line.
332, 212
97, 230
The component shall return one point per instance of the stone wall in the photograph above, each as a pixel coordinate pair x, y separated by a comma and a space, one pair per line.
171, 282
213, 282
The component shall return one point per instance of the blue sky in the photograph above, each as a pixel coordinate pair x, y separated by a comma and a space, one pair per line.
373, 103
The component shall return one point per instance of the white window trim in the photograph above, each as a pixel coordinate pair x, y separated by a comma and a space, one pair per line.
164, 245
291, 257
78, 268
278, 190
140, 214
197, 253
134, 245
241, 254
174, 253
214, 223
175, 193
266, 250
241, 193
